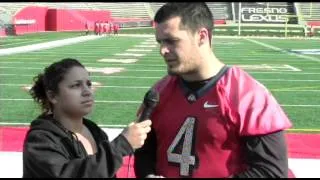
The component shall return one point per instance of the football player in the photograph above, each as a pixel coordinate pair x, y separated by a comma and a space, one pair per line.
213, 120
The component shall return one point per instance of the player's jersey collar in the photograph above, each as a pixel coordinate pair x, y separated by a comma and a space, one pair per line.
192, 96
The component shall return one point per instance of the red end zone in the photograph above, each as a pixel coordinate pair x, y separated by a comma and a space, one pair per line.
304, 146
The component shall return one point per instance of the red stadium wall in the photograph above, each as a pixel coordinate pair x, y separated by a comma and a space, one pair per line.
30, 19
38, 19
74, 20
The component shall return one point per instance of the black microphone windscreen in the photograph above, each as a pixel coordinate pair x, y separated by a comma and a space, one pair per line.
151, 99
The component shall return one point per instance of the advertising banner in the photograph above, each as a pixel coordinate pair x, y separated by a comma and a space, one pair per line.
267, 13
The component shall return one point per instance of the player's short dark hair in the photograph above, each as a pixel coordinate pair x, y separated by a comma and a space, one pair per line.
193, 15
49, 80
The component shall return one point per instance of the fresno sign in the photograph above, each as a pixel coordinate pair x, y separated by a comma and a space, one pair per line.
265, 13
252, 14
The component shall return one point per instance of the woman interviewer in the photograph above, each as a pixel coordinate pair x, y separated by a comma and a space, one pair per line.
60, 141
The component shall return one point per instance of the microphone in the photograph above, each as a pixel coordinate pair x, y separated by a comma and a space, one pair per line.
151, 100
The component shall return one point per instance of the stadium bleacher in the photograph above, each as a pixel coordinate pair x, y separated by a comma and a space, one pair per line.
124, 10
309, 11
219, 10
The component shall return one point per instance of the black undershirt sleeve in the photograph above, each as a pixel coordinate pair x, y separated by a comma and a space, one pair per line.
266, 156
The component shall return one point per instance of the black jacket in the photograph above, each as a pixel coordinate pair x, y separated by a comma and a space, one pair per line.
50, 150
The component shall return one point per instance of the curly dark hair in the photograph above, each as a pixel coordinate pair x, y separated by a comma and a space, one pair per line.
49, 80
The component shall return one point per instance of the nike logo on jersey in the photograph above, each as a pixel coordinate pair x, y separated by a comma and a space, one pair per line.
207, 105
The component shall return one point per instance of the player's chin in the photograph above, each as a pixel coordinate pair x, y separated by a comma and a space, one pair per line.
174, 70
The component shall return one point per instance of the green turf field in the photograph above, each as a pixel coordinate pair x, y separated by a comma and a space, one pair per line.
293, 78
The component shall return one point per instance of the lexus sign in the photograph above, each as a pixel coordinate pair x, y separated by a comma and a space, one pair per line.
263, 13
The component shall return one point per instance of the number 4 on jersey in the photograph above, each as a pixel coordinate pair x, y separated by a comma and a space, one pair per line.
185, 158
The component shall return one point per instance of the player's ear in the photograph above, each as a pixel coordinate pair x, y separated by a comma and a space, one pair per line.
203, 36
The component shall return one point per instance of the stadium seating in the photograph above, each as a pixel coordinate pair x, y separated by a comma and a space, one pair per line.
13, 8
219, 10
124, 10
129, 9
309, 11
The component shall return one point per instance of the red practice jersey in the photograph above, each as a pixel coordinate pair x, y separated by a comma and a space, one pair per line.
198, 133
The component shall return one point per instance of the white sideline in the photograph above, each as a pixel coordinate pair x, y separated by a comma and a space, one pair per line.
11, 166
11, 162
46, 45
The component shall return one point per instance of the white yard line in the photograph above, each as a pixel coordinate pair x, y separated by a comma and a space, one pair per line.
8, 67
270, 67
58, 54
46, 45
164, 70
22, 75
100, 86
124, 61
95, 76
147, 87
149, 43
283, 51
145, 46
285, 66
40, 68
24, 42
293, 68
139, 102
88, 63
129, 54
158, 77
13, 124
300, 105
139, 50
